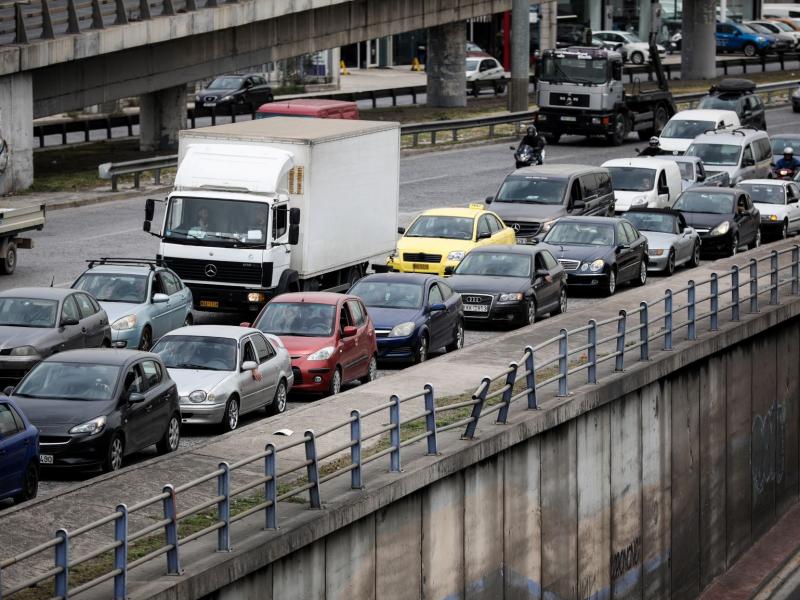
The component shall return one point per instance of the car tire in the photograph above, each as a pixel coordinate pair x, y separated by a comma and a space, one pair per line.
734, 245
784, 230
637, 58
500, 86
530, 312
230, 419
278, 404
336, 382
562, 302
30, 484
189, 320
642, 278
115, 453
372, 370
146, 341
172, 436
756, 240
476, 89
8, 262
611, 284
458, 342
106, 343
749, 50
421, 355
670, 268
695, 260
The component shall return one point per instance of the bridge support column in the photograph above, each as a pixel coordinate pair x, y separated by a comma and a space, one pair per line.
447, 81
520, 55
161, 115
698, 49
16, 130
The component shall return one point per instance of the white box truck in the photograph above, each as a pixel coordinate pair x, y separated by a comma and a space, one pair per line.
283, 204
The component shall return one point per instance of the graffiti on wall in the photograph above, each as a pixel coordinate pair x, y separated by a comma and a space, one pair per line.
768, 447
627, 558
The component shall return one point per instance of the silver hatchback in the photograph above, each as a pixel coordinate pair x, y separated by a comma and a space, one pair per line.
223, 372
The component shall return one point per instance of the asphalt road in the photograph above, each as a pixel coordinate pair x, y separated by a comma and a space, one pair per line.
442, 178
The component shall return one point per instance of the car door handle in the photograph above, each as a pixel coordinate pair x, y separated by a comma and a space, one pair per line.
83, 329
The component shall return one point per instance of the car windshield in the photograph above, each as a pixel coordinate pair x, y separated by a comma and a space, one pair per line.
584, 234
656, 222
631, 38
500, 264
686, 129
782, 26
212, 221
724, 155
472, 64
765, 193
385, 294
226, 83
779, 143
199, 352
532, 189
759, 28
747, 28
726, 102
438, 226
114, 287
302, 319
686, 169
69, 381
575, 69
632, 179
705, 202
28, 312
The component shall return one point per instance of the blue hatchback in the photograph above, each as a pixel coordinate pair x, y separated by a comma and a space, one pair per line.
414, 314
19, 454
738, 37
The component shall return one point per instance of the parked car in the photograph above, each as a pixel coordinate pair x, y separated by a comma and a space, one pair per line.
778, 203
780, 29
736, 37
743, 153
223, 372
143, 300
783, 41
19, 454
738, 95
510, 284
684, 126
414, 314
598, 252
531, 199
485, 71
238, 92
330, 337
693, 172
643, 182
638, 51
725, 218
671, 242
781, 141
94, 407
37, 322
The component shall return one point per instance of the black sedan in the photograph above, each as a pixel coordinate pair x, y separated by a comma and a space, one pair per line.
240, 93
725, 218
598, 251
510, 284
37, 322
94, 407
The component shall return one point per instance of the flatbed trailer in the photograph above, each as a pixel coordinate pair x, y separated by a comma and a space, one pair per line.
13, 222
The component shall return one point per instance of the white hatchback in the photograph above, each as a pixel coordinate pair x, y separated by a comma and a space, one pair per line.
684, 126
778, 202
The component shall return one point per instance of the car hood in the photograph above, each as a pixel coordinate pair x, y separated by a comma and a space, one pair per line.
771, 209
13, 337
624, 198
675, 144
428, 245
582, 253
215, 93
58, 416
301, 346
731, 170
706, 220
523, 211
386, 318
189, 380
488, 284
115, 310
657, 240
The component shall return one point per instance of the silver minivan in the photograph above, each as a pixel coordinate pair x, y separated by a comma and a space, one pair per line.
743, 153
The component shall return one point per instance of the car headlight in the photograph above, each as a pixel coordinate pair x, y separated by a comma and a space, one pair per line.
226, 98
403, 329
90, 427
547, 225
597, 265
322, 354
761, 39
773, 217
639, 201
456, 255
125, 323
655, 251
721, 229
516, 297
24, 351
199, 396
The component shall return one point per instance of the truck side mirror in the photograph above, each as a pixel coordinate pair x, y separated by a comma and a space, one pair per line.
149, 210
294, 234
146, 226
294, 216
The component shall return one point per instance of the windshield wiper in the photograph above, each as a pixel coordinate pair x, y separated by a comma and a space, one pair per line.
192, 366
22, 325
230, 238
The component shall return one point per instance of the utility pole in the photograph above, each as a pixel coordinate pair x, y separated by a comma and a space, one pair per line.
698, 44
520, 55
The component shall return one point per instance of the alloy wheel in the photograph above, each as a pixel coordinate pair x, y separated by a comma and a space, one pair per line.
336, 382
562, 302
147, 339
174, 434
115, 454
422, 351
460, 336
372, 372
280, 398
612, 283
531, 311
232, 414
671, 263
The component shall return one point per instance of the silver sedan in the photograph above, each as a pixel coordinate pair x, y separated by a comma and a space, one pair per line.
670, 241
224, 371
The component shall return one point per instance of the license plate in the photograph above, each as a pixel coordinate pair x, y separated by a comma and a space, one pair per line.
524, 241
46, 459
209, 303
481, 308
568, 118
211, 104
420, 266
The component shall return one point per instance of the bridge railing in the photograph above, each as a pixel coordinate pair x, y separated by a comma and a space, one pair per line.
572, 357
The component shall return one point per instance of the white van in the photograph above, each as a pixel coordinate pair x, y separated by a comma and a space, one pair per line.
784, 10
645, 182
684, 126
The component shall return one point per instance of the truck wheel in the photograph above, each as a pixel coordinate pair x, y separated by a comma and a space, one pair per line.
8, 261
660, 119
620, 131
749, 50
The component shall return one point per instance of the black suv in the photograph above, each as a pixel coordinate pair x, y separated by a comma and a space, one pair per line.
738, 95
245, 93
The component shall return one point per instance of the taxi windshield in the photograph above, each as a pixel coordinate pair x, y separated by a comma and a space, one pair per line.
440, 226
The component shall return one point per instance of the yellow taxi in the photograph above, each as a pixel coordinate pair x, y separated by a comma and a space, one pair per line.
440, 237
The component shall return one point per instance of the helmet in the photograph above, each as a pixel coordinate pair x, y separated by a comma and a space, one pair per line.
788, 150
532, 130
654, 141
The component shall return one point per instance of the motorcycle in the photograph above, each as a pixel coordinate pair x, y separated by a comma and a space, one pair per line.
784, 173
525, 156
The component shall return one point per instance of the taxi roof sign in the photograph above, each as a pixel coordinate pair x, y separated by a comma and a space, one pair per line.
476, 206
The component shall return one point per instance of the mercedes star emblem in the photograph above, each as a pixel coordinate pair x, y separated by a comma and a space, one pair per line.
211, 270
516, 226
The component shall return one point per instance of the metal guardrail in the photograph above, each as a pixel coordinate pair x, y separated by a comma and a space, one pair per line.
113, 171
630, 335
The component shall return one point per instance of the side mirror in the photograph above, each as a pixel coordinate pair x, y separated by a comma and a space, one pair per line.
401, 230
701, 177
578, 205
149, 209
8, 390
136, 398
438, 307
294, 216
146, 226
484, 235
67, 321
489, 199
542, 272
294, 234
621, 247
449, 270
249, 365
349, 331
748, 162
160, 298
245, 324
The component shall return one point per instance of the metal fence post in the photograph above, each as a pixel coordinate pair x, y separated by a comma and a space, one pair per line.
430, 419
714, 302
668, 320
531, 378
171, 531
644, 332
271, 487
62, 562
563, 362
619, 360
773, 277
312, 469
795, 270
735, 302
224, 508
511, 379
753, 285
691, 310
355, 449
121, 553
394, 434
477, 408
591, 334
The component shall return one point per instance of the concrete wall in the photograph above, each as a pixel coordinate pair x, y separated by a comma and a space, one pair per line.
647, 495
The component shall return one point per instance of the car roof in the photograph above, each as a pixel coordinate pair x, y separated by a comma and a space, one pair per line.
776, 182
313, 297
43, 293
786, 136
419, 278
708, 113
224, 331
644, 162
562, 171
737, 137
663, 211
507, 249
100, 356
714, 189
586, 219
455, 212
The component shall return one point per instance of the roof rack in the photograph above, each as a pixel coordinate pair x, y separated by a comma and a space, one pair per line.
110, 260
733, 86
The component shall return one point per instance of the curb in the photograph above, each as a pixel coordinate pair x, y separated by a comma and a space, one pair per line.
95, 200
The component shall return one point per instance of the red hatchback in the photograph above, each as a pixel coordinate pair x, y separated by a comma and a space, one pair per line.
330, 338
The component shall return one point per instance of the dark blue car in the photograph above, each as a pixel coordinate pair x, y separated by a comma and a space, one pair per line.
414, 314
19, 454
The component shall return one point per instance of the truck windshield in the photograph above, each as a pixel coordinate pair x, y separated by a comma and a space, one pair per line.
724, 155
566, 69
215, 222
532, 190
686, 129
631, 179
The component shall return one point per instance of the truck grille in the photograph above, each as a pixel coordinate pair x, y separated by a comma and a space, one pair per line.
524, 229
215, 271
422, 257
569, 264
567, 99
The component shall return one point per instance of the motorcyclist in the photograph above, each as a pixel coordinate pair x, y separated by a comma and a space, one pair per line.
653, 147
788, 161
535, 141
